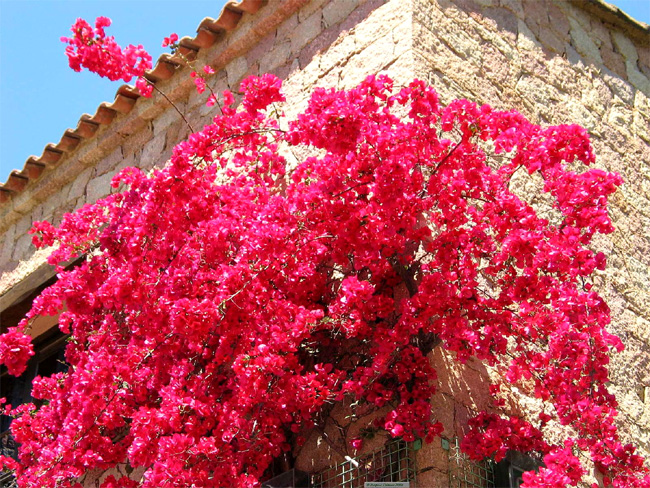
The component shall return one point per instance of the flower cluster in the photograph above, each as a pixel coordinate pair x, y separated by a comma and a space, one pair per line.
91, 49
228, 301
493, 436
15, 350
170, 41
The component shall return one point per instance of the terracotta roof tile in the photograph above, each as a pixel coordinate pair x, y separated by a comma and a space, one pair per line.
208, 33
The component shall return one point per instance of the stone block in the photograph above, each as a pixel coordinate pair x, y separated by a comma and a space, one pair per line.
642, 103
596, 95
99, 187
337, 10
621, 89
463, 44
329, 39
644, 56
600, 33
310, 8
502, 21
620, 117
235, 71
369, 61
175, 133
23, 225
576, 61
23, 247
109, 162
641, 327
641, 127
153, 149
284, 72
338, 53
536, 15
79, 184
625, 46
638, 79
559, 22
552, 41
581, 15
56, 201
579, 114
7, 245
402, 70
536, 92
89, 153
134, 142
515, 6
38, 211
277, 57
613, 60
584, 43
262, 48
526, 40
632, 366
306, 30
286, 29
168, 117
374, 20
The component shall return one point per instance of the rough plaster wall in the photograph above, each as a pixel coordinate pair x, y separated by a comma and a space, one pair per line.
556, 64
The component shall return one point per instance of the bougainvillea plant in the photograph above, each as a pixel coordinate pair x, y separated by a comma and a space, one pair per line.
226, 300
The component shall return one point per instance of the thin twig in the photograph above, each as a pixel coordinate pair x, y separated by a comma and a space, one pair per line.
172, 104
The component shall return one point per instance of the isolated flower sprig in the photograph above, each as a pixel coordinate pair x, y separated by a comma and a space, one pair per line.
91, 49
228, 302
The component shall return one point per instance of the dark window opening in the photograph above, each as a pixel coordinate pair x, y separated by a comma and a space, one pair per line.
394, 462
508, 472
466, 473
48, 359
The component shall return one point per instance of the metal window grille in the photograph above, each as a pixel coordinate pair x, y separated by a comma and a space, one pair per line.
8, 448
7, 480
465, 473
395, 461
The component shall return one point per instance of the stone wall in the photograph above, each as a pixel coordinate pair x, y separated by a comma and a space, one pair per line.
555, 61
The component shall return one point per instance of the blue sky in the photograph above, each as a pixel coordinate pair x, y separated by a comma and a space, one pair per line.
40, 97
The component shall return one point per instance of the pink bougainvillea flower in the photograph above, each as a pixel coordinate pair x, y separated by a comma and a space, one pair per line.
212, 100
144, 87
170, 41
91, 49
15, 350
